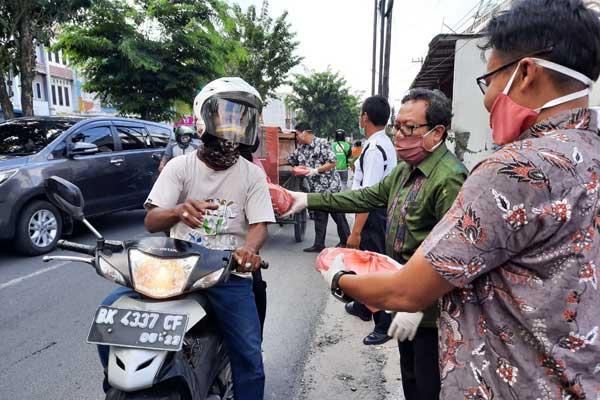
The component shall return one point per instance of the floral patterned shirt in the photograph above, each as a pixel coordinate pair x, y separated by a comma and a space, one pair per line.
521, 244
313, 155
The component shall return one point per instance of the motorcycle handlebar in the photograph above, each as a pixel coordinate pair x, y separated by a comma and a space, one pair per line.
76, 247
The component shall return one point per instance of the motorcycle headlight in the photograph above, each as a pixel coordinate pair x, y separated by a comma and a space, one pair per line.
110, 272
160, 278
6, 175
208, 280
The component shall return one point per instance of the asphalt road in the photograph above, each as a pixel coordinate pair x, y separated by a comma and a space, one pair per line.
46, 311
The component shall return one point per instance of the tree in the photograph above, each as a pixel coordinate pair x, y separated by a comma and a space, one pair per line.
23, 23
269, 48
141, 56
7, 58
323, 100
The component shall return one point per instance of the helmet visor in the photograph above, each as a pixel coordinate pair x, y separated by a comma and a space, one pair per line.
231, 120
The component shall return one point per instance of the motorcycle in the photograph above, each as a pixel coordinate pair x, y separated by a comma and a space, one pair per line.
163, 343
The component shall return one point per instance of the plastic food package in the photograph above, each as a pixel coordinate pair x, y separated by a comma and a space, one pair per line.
281, 199
359, 261
301, 170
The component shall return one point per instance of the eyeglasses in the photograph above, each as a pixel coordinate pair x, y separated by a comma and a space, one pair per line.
482, 81
407, 130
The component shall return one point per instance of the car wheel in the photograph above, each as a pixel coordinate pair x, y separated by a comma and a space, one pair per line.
39, 228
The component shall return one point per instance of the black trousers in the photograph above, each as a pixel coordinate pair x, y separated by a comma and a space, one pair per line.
372, 238
321, 220
259, 288
419, 365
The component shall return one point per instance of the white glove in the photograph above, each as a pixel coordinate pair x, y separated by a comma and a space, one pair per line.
300, 203
404, 325
336, 265
313, 172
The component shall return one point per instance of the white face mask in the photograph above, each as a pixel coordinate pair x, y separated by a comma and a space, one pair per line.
565, 71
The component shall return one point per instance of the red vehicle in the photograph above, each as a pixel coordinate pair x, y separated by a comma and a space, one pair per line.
274, 146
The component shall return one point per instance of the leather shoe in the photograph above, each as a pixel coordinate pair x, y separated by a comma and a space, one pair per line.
313, 249
375, 338
341, 245
350, 310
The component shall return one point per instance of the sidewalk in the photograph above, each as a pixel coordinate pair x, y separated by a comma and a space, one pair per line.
340, 367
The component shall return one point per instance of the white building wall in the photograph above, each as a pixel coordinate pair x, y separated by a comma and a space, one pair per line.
469, 113
595, 96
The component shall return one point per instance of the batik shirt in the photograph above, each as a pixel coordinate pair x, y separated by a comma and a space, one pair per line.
314, 155
521, 244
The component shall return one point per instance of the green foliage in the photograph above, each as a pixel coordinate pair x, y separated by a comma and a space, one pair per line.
268, 49
22, 24
141, 56
323, 99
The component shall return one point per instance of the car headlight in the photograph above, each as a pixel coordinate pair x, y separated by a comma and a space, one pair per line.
160, 278
110, 272
6, 175
208, 280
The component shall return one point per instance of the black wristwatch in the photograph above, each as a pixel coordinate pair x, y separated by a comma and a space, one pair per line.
335, 288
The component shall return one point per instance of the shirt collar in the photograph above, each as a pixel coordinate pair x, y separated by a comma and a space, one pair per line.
577, 118
428, 165
375, 136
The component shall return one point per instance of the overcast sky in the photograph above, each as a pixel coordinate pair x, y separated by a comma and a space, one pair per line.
338, 33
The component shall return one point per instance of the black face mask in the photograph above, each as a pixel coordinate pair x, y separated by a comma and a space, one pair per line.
217, 153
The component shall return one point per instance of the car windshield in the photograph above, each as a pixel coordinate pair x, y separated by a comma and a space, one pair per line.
25, 136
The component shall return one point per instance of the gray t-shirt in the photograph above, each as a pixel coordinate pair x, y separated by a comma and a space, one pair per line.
240, 191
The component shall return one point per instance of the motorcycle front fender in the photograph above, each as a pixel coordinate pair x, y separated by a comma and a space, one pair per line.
132, 369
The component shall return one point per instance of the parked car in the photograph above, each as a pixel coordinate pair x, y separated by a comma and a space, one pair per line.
113, 160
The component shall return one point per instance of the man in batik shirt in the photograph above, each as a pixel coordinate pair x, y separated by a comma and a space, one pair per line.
516, 257
317, 154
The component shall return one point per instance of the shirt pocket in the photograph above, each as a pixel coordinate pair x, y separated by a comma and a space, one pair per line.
416, 217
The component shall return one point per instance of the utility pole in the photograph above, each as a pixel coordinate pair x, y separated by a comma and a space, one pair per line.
385, 86
382, 40
374, 66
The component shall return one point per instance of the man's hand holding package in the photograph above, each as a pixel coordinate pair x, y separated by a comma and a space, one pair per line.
300, 203
334, 267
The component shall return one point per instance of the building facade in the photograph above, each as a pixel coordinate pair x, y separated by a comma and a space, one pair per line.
57, 88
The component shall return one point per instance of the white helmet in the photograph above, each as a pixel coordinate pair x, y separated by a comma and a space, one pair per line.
230, 109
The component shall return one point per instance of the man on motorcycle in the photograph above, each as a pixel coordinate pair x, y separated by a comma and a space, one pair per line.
183, 144
215, 198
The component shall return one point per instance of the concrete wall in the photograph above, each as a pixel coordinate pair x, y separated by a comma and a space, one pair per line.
471, 119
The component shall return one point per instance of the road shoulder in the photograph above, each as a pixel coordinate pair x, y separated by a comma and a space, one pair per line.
340, 367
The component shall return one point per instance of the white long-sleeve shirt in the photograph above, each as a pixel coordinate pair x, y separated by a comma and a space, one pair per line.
375, 168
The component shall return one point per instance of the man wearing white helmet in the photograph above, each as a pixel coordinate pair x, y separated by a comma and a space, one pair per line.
218, 199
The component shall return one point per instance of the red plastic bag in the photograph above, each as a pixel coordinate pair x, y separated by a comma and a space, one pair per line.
301, 170
281, 199
361, 262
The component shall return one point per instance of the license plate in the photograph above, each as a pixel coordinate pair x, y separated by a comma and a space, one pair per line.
138, 329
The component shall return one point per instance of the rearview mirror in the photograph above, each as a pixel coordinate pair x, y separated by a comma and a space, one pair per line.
65, 196
82, 148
